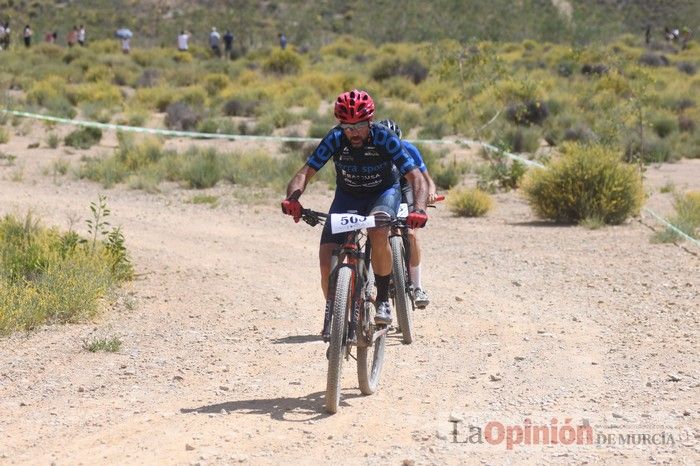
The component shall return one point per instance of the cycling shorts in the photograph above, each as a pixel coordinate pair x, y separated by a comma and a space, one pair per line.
387, 201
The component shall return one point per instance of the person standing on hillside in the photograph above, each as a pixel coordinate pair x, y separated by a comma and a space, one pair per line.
5, 36
215, 42
81, 36
183, 41
27, 36
283, 40
72, 38
228, 44
368, 161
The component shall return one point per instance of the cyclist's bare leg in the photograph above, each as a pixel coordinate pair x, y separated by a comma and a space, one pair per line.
325, 254
381, 251
381, 263
415, 248
420, 295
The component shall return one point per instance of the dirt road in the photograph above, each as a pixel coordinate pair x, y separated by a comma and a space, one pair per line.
221, 362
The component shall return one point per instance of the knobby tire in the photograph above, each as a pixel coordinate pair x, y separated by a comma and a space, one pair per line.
369, 369
402, 301
341, 303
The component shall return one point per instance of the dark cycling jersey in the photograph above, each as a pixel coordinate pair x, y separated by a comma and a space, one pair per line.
364, 171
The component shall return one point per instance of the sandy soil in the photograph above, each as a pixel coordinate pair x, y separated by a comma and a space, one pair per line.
221, 362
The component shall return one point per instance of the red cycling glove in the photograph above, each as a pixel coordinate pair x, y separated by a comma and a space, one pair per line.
292, 207
417, 219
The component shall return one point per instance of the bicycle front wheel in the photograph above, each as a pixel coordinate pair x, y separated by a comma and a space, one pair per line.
402, 301
341, 306
370, 363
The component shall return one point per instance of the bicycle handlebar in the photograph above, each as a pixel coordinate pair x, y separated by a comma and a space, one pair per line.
314, 218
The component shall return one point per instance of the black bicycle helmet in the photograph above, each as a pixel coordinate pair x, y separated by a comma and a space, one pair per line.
391, 124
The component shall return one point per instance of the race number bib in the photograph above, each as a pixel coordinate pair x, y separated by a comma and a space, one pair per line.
341, 223
403, 211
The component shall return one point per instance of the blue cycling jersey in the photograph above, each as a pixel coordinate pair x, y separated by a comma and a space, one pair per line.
367, 170
415, 155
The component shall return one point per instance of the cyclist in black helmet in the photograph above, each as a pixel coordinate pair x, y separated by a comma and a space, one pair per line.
419, 294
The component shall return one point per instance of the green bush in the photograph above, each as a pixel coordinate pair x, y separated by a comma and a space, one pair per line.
469, 202
665, 125
587, 182
389, 67
446, 177
653, 150
500, 172
522, 139
4, 136
283, 62
202, 169
83, 138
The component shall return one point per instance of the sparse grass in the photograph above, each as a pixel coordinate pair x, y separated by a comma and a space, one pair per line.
109, 345
59, 167
686, 218
669, 187
83, 138
212, 201
52, 276
4, 136
53, 140
144, 164
592, 223
7, 160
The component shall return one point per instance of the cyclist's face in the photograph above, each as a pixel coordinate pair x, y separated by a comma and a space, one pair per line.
357, 133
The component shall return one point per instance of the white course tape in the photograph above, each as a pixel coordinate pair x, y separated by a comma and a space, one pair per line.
244, 137
672, 226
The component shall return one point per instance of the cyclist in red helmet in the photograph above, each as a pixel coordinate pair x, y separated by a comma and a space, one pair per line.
369, 160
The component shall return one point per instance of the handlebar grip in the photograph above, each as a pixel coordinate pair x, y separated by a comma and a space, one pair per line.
439, 198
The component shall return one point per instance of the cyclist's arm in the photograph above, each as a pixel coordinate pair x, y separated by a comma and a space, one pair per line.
432, 189
420, 188
298, 183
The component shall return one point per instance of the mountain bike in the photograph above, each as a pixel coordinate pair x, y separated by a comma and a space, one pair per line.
400, 287
351, 305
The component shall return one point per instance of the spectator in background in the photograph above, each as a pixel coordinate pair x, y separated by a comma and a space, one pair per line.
48, 37
183, 41
228, 44
81, 36
647, 35
72, 36
215, 41
283, 40
5, 36
126, 46
686, 34
27, 36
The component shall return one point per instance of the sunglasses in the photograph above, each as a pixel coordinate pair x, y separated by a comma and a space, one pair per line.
354, 126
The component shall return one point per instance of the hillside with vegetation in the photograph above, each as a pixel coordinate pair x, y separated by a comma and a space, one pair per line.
313, 24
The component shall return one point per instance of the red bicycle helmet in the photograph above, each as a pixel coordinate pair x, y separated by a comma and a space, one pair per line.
354, 106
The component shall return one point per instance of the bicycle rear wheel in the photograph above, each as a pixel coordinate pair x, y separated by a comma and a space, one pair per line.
341, 305
402, 302
370, 360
